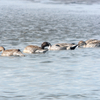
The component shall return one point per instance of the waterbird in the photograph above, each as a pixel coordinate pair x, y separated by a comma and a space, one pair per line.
36, 49
62, 46
11, 52
89, 43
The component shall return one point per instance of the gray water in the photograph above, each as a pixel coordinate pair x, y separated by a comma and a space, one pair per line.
55, 75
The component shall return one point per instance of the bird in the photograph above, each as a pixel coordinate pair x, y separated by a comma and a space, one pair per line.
89, 43
36, 49
11, 52
62, 46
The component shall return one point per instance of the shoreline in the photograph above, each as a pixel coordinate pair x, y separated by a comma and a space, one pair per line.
88, 2
78, 1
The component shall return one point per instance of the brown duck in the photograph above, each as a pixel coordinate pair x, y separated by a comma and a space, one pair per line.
11, 52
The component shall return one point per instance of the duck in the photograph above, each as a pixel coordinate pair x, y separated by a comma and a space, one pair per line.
62, 46
36, 49
11, 52
89, 43
91, 40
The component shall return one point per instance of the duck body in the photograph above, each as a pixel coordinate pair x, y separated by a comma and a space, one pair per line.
62, 46
56, 47
33, 49
89, 43
36, 49
11, 52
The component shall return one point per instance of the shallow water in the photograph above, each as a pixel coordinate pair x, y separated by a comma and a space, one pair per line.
55, 75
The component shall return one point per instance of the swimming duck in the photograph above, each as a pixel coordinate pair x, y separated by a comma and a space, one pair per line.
62, 46
11, 52
91, 40
89, 43
36, 49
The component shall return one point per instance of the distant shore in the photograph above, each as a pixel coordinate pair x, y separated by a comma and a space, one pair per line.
78, 1
69, 1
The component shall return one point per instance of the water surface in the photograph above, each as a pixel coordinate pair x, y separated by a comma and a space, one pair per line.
55, 75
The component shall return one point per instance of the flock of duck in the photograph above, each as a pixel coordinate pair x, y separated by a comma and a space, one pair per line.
60, 46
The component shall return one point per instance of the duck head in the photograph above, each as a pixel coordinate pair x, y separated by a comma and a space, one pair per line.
81, 43
44, 44
2, 48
